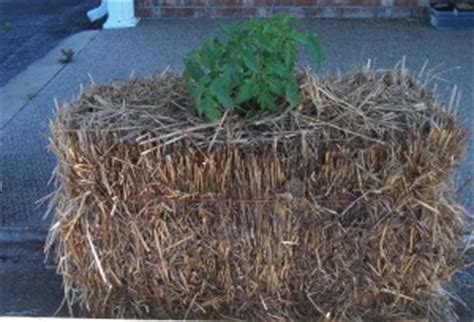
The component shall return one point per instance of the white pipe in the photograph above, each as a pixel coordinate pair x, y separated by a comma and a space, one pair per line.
121, 14
99, 12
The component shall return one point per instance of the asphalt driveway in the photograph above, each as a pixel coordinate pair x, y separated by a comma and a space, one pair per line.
30, 28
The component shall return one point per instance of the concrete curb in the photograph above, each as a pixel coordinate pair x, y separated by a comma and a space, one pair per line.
24, 87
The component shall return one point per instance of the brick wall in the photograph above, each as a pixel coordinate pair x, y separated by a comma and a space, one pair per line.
299, 8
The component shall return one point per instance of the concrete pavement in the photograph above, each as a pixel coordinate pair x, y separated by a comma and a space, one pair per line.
156, 44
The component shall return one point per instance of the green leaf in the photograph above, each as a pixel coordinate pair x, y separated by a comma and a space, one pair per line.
227, 75
267, 102
292, 93
278, 68
193, 70
197, 91
229, 29
210, 53
221, 93
210, 108
250, 113
204, 81
276, 85
250, 61
246, 92
267, 44
315, 50
301, 38
284, 19
289, 56
276, 44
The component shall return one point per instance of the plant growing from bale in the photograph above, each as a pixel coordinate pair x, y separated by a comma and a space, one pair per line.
252, 68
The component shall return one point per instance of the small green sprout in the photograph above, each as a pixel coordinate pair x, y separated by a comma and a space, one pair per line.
5, 26
68, 55
30, 95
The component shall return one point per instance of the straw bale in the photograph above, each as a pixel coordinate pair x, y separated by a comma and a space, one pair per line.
342, 208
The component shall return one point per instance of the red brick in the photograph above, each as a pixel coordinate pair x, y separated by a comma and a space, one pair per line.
166, 2
299, 8
313, 12
356, 12
306, 2
283, 3
332, 3
234, 12
405, 3
364, 2
261, 3
144, 12
232, 2
177, 12
420, 12
194, 2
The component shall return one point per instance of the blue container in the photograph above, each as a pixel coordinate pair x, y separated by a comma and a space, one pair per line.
454, 19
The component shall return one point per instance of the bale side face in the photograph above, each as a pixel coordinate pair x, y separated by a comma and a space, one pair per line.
337, 209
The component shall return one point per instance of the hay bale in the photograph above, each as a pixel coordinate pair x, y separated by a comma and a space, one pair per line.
341, 208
